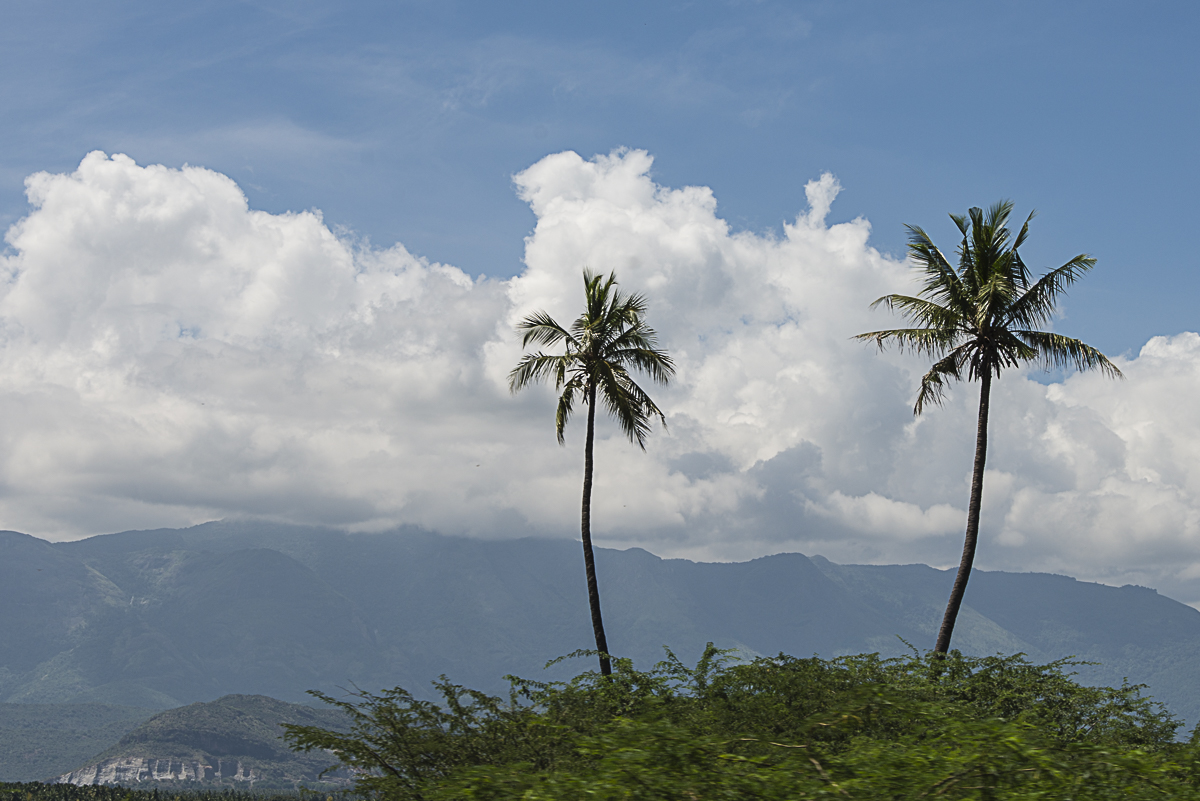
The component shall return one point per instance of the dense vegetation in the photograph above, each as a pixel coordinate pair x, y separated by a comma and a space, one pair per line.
34, 791
864, 727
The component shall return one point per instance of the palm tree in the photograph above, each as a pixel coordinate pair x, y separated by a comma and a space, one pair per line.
608, 339
978, 320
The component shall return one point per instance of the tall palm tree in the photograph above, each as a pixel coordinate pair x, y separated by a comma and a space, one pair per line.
978, 320
601, 346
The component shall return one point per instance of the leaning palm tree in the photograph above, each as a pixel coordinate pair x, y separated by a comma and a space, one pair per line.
608, 339
978, 320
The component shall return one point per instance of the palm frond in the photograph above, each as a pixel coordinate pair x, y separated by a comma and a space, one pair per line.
962, 221
566, 404
637, 347
626, 310
990, 236
650, 361
540, 329
1036, 306
933, 383
1004, 349
1057, 351
1024, 233
637, 336
925, 341
537, 367
926, 313
611, 390
597, 294
627, 402
940, 284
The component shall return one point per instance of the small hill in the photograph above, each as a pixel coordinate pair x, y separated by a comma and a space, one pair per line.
233, 742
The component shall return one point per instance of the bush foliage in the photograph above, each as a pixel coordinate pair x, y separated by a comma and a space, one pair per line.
37, 791
920, 727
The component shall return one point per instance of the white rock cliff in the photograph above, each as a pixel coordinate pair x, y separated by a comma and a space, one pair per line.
133, 770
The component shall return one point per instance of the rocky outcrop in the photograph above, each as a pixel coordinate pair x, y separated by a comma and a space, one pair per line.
135, 770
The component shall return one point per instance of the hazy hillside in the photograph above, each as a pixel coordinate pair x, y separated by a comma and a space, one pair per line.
232, 742
165, 618
41, 740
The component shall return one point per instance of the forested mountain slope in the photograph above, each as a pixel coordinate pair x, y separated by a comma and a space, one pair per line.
164, 618
41, 740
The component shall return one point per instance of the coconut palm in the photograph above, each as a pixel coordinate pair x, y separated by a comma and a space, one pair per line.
977, 320
601, 347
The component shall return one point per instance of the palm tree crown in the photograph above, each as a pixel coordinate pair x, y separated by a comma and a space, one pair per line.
984, 316
603, 344
977, 320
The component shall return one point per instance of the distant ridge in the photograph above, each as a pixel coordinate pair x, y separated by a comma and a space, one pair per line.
170, 617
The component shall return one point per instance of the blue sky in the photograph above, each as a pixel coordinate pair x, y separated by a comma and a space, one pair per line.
186, 343
405, 120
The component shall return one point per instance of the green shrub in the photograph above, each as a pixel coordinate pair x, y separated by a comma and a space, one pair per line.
853, 727
36, 791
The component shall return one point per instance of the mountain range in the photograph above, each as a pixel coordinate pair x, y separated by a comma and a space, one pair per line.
160, 619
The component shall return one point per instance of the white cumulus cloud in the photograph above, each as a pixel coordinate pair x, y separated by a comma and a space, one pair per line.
171, 355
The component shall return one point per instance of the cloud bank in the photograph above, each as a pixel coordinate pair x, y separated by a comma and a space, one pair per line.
172, 356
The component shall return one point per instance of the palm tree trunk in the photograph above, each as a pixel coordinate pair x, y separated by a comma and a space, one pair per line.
972, 538
589, 561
